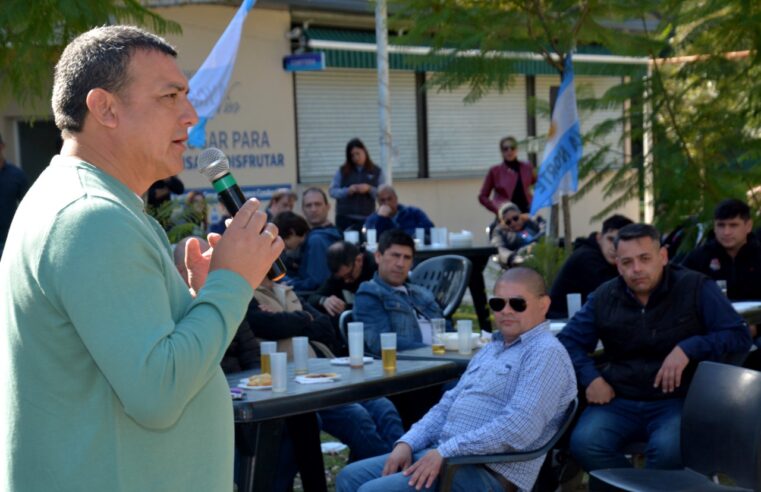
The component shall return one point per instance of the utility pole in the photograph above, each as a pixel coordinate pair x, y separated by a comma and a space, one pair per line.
384, 102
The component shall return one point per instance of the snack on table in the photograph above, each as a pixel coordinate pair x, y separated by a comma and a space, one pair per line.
260, 380
320, 375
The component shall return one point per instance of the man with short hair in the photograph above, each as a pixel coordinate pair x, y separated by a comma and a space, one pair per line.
393, 215
733, 254
512, 397
390, 303
111, 377
313, 270
13, 186
349, 267
282, 200
592, 263
656, 322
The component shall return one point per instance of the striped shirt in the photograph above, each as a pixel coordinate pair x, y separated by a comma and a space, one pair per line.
512, 397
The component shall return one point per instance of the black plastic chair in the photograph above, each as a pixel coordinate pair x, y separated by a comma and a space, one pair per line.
446, 277
720, 433
450, 466
343, 324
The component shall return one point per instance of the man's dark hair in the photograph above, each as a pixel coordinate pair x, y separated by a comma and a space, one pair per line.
289, 223
615, 223
314, 189
341, 253
636, 231
395, 236
96, 59
731, 208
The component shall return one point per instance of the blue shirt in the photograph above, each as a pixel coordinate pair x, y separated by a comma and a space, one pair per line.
406, 218
13, 187
579, 336
313, 269
511, 397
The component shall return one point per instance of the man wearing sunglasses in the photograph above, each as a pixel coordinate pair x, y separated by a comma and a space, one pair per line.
510, 180
512, 396
656, 322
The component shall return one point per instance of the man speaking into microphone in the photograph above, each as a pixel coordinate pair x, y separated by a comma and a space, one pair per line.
110, 375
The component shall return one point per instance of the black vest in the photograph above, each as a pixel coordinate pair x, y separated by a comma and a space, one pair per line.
358, 205
637, 339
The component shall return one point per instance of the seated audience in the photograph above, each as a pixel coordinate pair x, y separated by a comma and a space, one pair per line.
514, 231
733, 254
349, 267
390, 303
393, 215
313, 270
512, 397
282, 200
293, 229
656, 321
592, 262
369, 428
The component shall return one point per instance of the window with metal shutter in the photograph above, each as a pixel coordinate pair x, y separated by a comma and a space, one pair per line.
586, 87
463, 139
336, 105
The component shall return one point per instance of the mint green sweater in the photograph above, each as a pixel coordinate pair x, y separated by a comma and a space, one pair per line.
109, 369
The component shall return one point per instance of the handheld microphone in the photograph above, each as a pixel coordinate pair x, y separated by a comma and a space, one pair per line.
214, 165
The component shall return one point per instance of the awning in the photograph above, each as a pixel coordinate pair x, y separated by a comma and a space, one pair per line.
346, 48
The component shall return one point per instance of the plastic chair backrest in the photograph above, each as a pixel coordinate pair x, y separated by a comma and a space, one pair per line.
446, 277
721, 423
343, 324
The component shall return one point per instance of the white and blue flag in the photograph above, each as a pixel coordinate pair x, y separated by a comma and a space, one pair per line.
209, 84
559, 172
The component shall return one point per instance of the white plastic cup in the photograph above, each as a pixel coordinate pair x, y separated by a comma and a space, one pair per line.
279, 362
372, 236
464, 332
351, 237
574, 304
420, 234
300, 354
356, 344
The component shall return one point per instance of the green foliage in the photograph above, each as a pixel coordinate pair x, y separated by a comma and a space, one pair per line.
34, 33
546, 258
704, 113
177, 220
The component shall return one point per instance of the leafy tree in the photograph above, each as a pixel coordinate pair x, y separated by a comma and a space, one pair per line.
34, 33
703, 112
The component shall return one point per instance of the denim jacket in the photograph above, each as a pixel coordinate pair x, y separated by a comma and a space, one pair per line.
383, 309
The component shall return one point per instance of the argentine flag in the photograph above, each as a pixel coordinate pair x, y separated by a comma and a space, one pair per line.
559, 171
209, 84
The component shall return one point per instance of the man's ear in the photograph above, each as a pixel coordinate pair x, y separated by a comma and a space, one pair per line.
100, 104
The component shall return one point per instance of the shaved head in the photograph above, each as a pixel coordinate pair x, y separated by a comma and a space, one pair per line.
525, 276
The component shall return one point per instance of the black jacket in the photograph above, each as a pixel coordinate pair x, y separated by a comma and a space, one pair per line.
743, 273
243, 352
584, 271
637, 339
335, 286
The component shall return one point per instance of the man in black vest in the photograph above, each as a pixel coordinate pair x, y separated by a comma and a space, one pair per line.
656, 322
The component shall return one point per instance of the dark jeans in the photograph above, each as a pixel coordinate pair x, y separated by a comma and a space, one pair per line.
369, 428
603, 431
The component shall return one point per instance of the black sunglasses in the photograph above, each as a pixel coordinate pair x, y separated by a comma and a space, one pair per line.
508, 147
517, 304
514, 218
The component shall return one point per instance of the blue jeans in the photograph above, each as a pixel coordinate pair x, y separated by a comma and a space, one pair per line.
603, 431
365, 476
369, 428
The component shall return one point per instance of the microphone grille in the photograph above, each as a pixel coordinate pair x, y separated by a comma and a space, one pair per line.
213, 163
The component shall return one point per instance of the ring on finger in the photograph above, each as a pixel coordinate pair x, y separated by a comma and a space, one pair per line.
268, 233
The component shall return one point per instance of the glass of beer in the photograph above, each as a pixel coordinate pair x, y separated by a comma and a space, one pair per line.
388, 351
438, 328
266, 349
